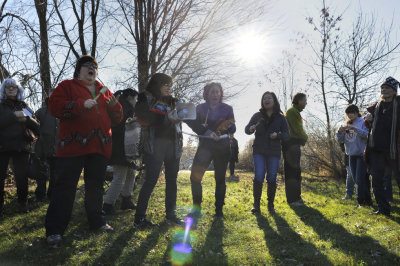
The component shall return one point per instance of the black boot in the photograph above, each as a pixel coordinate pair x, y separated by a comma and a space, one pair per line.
271, 190
257, 191
108, 209
127, 203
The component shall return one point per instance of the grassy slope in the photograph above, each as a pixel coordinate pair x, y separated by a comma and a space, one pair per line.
324, 232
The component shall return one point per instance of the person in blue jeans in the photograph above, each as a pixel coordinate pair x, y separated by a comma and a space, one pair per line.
270, 128
354, 136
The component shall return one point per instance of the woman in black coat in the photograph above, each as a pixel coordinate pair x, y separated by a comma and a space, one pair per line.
270, 129
17, 129
123, 174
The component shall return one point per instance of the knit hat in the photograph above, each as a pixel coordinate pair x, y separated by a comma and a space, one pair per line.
82, 60
392, 83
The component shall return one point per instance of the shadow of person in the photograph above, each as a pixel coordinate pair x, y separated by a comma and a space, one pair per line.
212, 252
361, 248
137, 255
286, 246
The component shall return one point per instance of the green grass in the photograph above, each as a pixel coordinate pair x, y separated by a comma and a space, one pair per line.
327, 231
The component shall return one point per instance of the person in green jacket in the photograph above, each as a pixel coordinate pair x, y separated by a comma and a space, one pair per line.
292, 151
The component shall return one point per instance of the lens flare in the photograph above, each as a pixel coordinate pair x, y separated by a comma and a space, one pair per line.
181, 252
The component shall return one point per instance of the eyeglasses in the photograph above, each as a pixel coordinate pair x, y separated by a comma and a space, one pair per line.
168, 85
11, 87
92, 65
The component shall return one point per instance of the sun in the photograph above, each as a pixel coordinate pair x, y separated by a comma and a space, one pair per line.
251, 48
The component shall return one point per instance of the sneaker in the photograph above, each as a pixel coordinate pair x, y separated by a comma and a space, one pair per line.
106, 228
347, 197
174, 219
195, 214
142, 223
54, 241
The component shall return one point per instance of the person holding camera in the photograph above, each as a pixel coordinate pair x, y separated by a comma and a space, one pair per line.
354, 136
17, 132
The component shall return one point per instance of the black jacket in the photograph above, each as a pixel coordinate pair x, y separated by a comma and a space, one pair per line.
12, 132
153, 117
45, 146
118, 134
263, 144
234, 150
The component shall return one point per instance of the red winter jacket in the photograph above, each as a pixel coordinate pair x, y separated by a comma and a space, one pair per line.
83, 131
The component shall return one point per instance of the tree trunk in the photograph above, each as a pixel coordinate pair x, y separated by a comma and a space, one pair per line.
41, 9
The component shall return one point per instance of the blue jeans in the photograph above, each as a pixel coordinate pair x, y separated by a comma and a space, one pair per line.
359, 171
265, 164
349, 182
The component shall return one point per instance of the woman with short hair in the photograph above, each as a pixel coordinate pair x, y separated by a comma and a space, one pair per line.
214, 120
16, 127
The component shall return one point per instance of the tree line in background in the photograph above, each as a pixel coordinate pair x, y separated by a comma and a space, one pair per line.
347, 67
41, 40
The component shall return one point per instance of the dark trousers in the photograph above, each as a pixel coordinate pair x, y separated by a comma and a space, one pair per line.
232, 167
40, 191
359, 172
67, 173
219, 154
380, 164
291, 156
20, 162
164, 152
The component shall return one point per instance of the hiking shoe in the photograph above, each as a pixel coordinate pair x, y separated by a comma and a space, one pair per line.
142, 223
127, 203
108, 209
106, 228
347, 197
54, 241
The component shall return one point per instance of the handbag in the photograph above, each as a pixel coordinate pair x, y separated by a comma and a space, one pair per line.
37, 169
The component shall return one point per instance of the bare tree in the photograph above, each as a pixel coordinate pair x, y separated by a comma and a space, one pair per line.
325, 27
44, 66
80, 36
360, 59
172, 36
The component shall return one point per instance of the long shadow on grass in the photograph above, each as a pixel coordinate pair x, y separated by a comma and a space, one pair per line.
212, 252
361, 248
287, 246
140, 253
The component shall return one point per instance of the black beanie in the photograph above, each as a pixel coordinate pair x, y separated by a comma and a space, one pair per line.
392, 83
83, 59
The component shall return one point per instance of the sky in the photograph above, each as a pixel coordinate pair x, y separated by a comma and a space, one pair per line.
291, 15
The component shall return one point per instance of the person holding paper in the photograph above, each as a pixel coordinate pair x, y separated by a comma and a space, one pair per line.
213, 119
16, 129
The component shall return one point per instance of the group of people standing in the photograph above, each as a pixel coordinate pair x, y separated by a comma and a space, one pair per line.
90, 124
372, 143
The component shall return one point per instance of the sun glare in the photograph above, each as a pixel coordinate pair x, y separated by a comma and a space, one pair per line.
251, 48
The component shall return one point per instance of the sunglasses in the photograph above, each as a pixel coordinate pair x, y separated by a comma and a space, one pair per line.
92, 65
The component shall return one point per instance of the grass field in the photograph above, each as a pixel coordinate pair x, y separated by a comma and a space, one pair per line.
326, 231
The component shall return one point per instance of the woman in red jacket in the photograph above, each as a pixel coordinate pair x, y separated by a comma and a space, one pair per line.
85, 117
